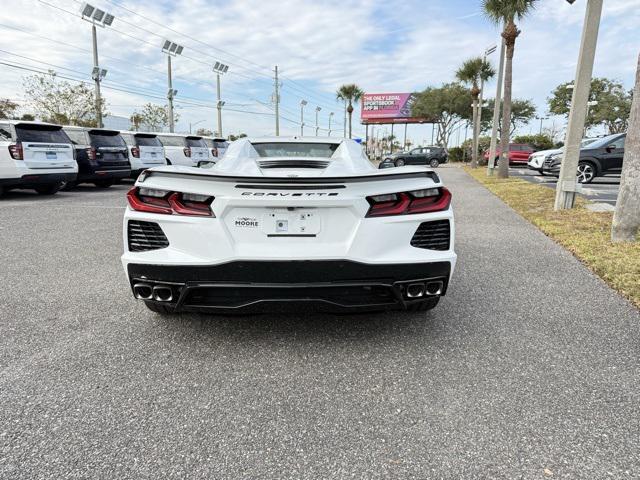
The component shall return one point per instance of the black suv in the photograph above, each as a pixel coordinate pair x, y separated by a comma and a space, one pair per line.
102, 155
431, 156
599, 158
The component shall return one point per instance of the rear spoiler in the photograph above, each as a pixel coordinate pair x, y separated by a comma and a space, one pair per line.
295, 180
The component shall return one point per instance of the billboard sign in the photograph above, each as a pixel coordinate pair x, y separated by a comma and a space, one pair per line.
388, 108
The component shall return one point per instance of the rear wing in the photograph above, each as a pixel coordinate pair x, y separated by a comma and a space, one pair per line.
293, 180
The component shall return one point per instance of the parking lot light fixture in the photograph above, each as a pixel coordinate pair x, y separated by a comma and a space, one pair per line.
100, 18
220, 69
330, 115
317, 126
171, 49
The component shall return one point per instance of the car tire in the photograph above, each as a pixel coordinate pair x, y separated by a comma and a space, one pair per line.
49, 189
586, 172
160, 308
103, 183
399, 163
423, 306
433, 163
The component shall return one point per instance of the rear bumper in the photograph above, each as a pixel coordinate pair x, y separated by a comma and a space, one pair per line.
37, 179
331, 284
108, 174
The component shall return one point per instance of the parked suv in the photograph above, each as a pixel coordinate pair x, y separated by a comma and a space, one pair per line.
602, 157
518, 153
185, 150
145, 151
431, 156
217, 147
102, 155
35, 155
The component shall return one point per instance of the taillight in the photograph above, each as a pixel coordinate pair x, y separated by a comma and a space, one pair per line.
214, 152
16, 151
187, 151
417, 201
161, 201
135, 152
92, 153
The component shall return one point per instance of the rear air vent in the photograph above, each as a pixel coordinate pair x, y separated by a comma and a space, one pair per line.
293, 164
145, 236
432, 235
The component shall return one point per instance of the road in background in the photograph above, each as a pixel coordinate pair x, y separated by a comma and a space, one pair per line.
529, 363
602, 189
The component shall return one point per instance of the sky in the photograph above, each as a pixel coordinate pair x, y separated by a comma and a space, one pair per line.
390, 46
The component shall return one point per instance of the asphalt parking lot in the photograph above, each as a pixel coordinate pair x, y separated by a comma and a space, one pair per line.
602, 189
529, 363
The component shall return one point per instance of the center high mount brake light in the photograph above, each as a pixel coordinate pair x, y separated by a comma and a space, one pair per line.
169, 203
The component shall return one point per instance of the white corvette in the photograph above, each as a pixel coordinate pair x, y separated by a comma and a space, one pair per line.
289, 220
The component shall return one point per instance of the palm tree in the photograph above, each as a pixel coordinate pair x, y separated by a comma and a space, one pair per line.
349, 93
506, 12
626, 220
472, 72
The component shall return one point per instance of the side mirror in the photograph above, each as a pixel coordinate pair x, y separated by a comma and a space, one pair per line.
206, 164
610, 148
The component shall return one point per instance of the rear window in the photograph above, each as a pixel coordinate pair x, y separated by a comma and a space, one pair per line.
220, 144
170, 141
76, 136
147, 141
196, 142
5, 131
41, 133
106, 140
295, 150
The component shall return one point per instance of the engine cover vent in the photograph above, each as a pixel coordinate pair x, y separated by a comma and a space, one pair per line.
145, 236
432, 235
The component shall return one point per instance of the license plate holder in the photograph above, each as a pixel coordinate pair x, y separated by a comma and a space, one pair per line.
51, 155
304, 222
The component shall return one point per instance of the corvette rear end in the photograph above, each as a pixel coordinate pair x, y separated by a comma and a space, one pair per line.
285, 221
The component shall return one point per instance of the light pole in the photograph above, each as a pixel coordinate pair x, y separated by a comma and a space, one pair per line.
302, 104
317, 127
171, 49
330, 115
276, 100
476, 127
98, 17
496, 113
220, 69
345, 118
541, 120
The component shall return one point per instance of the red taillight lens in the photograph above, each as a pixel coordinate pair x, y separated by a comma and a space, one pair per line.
189, 204
187, 151
92, 153
214, 152
135, 152
168, 203
16, 151
417, 201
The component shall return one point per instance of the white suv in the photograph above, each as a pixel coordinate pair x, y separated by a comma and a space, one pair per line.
35, 155
145, 151
217, 147
185, 150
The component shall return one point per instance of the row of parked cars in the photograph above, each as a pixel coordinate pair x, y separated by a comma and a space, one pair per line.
47, 157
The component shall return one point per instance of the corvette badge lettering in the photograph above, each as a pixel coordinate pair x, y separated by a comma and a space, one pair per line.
288, 194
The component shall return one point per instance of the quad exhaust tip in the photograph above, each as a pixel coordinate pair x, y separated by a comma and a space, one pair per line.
143, 291
420, 290
162, 294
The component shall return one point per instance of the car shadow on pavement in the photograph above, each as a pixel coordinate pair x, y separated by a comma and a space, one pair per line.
305, 326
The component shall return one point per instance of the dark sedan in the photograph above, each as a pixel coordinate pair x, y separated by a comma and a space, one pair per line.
602, 157
431, 156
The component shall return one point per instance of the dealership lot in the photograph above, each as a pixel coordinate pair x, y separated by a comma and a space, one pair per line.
602, 189
529, 363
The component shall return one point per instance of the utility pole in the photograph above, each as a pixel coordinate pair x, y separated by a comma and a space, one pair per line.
330, 115
96, 77
170, 95
276, 100
317, 126
491, 164
567, 186
302, 104
220, 69
404, 146
476, 127
95, 16
171, 49
345, 118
